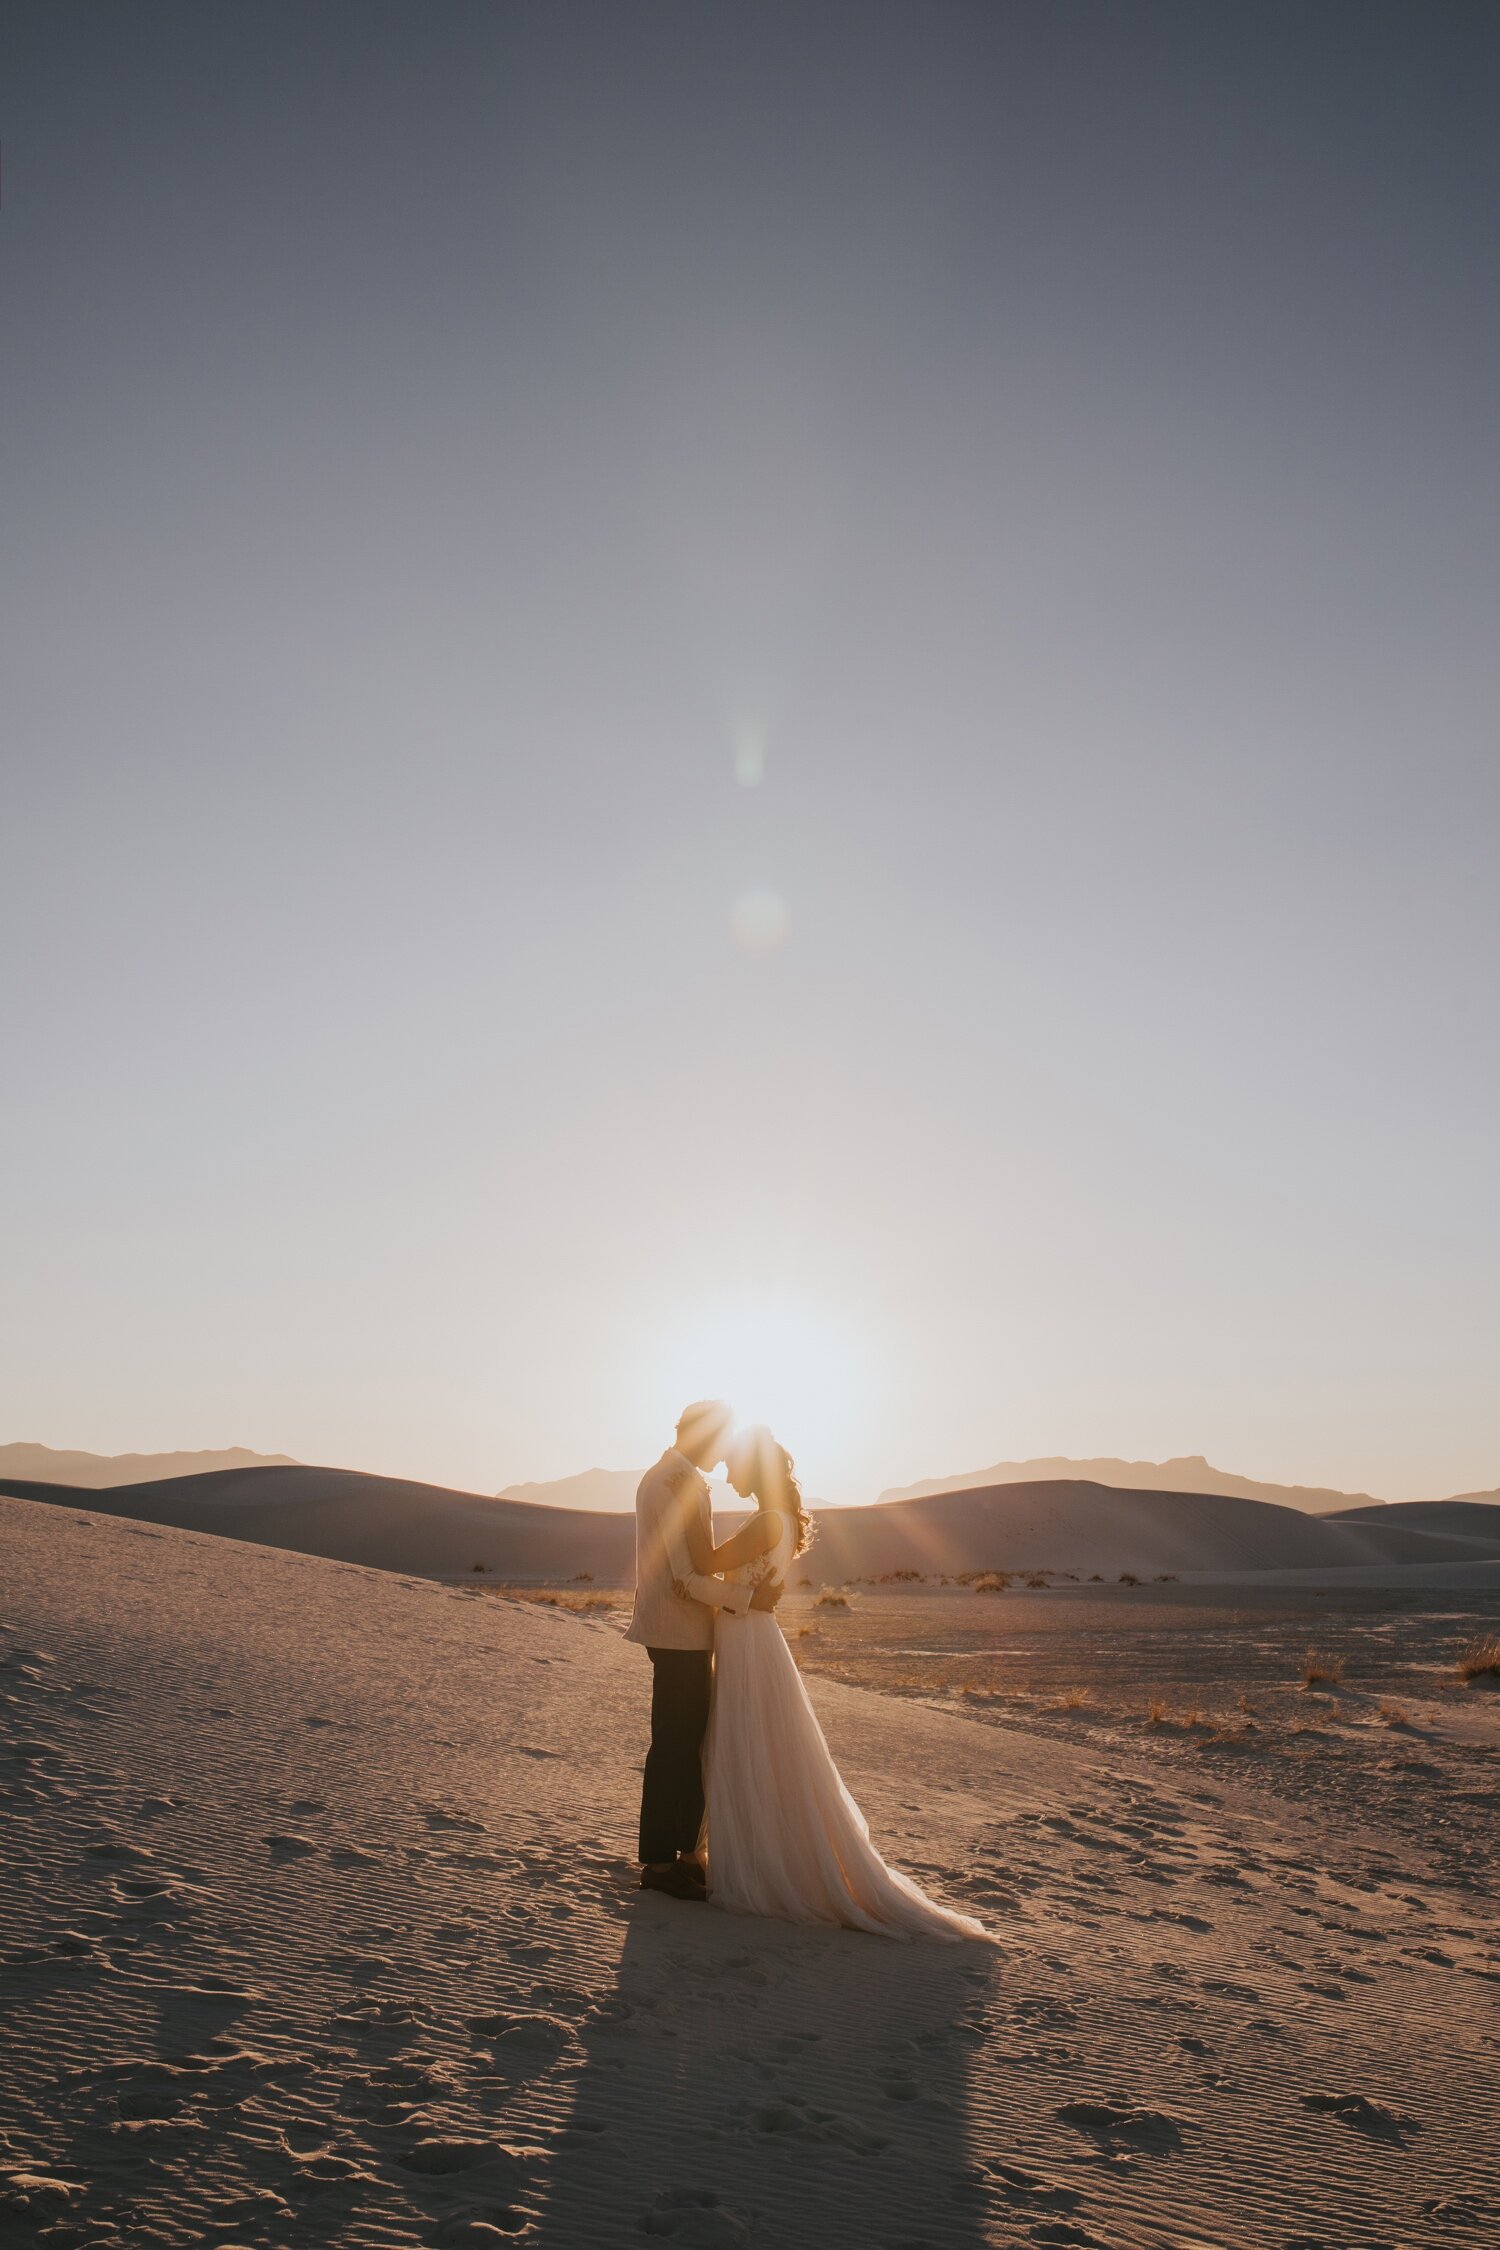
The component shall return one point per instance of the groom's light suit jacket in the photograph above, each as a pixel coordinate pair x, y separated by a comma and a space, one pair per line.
670, 1494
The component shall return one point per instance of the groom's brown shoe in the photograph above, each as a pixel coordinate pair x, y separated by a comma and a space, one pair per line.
675, 1881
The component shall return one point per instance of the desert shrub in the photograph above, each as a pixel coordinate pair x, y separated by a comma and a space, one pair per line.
831, 1598
804, 1582
1165, 1578
1393, 1715
1072, 1699
1158, 1715
991, 1582
1036, 1578
581, 1605
1096, 1578
583, 1578
1128, 1578
479, 1566
1480, 1660
1321, 1671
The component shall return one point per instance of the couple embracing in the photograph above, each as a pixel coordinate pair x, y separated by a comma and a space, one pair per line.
733, 1735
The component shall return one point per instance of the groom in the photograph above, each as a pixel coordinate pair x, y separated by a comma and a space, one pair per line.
674, 1532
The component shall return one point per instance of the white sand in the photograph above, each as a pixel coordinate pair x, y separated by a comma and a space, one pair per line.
318, 1928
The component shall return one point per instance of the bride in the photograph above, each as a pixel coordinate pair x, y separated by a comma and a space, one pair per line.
785, 1838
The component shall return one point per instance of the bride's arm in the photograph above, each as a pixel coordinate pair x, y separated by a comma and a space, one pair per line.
755, 1538
752, 1540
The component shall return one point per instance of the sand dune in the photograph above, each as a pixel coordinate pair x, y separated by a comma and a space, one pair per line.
1086, 1527
43, 1464
388, 1523
318, 1928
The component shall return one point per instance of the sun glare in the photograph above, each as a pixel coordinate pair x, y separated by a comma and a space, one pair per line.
776, 1363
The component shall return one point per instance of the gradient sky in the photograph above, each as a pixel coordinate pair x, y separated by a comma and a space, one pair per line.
799, 700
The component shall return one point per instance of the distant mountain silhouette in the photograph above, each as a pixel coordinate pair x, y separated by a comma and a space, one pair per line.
1185, 1472
608, 1489
42, 1464
611, 1491
388, 1523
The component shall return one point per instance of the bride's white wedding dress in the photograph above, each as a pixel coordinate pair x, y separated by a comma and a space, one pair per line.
785, 1838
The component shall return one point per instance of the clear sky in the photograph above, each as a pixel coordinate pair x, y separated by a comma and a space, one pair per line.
797, 700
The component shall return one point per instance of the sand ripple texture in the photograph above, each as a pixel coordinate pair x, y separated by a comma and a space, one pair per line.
317, 1926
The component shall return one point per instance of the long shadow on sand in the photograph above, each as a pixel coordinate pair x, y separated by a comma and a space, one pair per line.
747, 2082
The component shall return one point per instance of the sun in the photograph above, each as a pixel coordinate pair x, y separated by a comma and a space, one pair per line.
775, 1362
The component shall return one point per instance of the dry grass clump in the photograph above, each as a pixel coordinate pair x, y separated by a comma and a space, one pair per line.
1036, 1579
1322, 1671
1165, 1578
992, 1582
1129, 1578
1072, 1699
1159, 1715
1480, 1660
831, 1598
898, 1578
479, 1566
1393, 1715
580, 1604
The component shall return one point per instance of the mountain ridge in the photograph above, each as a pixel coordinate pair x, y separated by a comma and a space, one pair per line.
1183, 1472
46, 1464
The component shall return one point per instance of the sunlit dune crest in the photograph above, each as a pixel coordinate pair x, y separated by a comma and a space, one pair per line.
391, 1523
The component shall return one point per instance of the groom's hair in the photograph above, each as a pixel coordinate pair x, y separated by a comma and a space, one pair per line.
703, 1421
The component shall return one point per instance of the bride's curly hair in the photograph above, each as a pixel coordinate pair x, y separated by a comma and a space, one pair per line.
771, 1474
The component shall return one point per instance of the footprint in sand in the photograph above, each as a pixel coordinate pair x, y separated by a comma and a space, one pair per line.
899, 2086
1373, 2119
1117, 2130
350, 1855
440, 1821
113, 1850
439, 2156
695, 2218
521, 2046
287, 1844
1018, 2186
799, 2121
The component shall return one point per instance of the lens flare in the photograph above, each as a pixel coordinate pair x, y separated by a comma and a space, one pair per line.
759, 921
778, 1363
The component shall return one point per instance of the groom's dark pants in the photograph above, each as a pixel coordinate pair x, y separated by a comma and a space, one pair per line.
672, 1792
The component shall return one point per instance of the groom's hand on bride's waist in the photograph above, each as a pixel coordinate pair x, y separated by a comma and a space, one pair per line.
767, 1594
